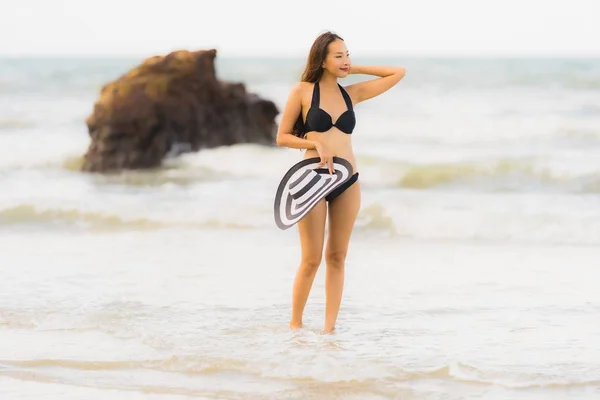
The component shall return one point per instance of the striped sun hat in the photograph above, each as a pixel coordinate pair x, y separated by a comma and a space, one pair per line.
304, 185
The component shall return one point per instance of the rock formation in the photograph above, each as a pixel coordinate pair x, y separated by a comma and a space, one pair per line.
171, 103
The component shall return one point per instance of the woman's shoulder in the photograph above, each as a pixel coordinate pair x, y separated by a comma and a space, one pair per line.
301, 86
302, 92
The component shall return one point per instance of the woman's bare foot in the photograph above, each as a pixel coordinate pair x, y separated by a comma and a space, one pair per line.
295, 325
329, 331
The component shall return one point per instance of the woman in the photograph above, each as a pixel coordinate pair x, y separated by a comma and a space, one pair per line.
319, 117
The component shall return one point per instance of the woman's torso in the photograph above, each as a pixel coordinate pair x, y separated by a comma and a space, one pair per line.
338, 142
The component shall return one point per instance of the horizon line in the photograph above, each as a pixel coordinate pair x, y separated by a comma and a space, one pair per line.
242, 55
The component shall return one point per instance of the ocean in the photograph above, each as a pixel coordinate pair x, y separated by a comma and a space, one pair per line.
472, 273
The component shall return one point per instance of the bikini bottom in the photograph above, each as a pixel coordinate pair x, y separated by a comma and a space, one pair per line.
339, 190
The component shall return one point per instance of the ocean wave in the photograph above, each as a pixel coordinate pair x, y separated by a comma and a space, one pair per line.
589, 135
433, 175
500, 175
29, 213
524, 174
10, 124
456, 372
24, 214
481, 219
392, 217
514, 380
72, 163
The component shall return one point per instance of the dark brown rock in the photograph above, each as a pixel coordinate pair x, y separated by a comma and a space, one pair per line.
172, 104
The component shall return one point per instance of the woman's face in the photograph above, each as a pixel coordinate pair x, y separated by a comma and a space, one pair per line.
337, 61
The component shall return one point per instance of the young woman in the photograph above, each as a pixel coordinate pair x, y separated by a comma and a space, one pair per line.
319, 117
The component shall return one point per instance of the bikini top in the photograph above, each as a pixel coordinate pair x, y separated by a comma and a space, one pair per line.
319, 120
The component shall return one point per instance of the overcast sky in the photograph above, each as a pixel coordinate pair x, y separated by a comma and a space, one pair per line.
287, 28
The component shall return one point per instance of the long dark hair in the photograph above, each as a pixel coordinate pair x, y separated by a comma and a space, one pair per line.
314, 68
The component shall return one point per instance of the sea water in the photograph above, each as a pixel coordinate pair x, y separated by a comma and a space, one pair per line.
472, 271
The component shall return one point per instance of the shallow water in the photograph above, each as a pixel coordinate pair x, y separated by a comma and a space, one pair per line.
204, 315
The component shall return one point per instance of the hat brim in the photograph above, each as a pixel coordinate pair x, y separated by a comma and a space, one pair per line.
286, 210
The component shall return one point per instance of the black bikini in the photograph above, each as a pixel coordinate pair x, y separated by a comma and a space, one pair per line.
319, 120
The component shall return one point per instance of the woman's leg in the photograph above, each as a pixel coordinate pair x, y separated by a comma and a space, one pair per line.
312, 235
342, 215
